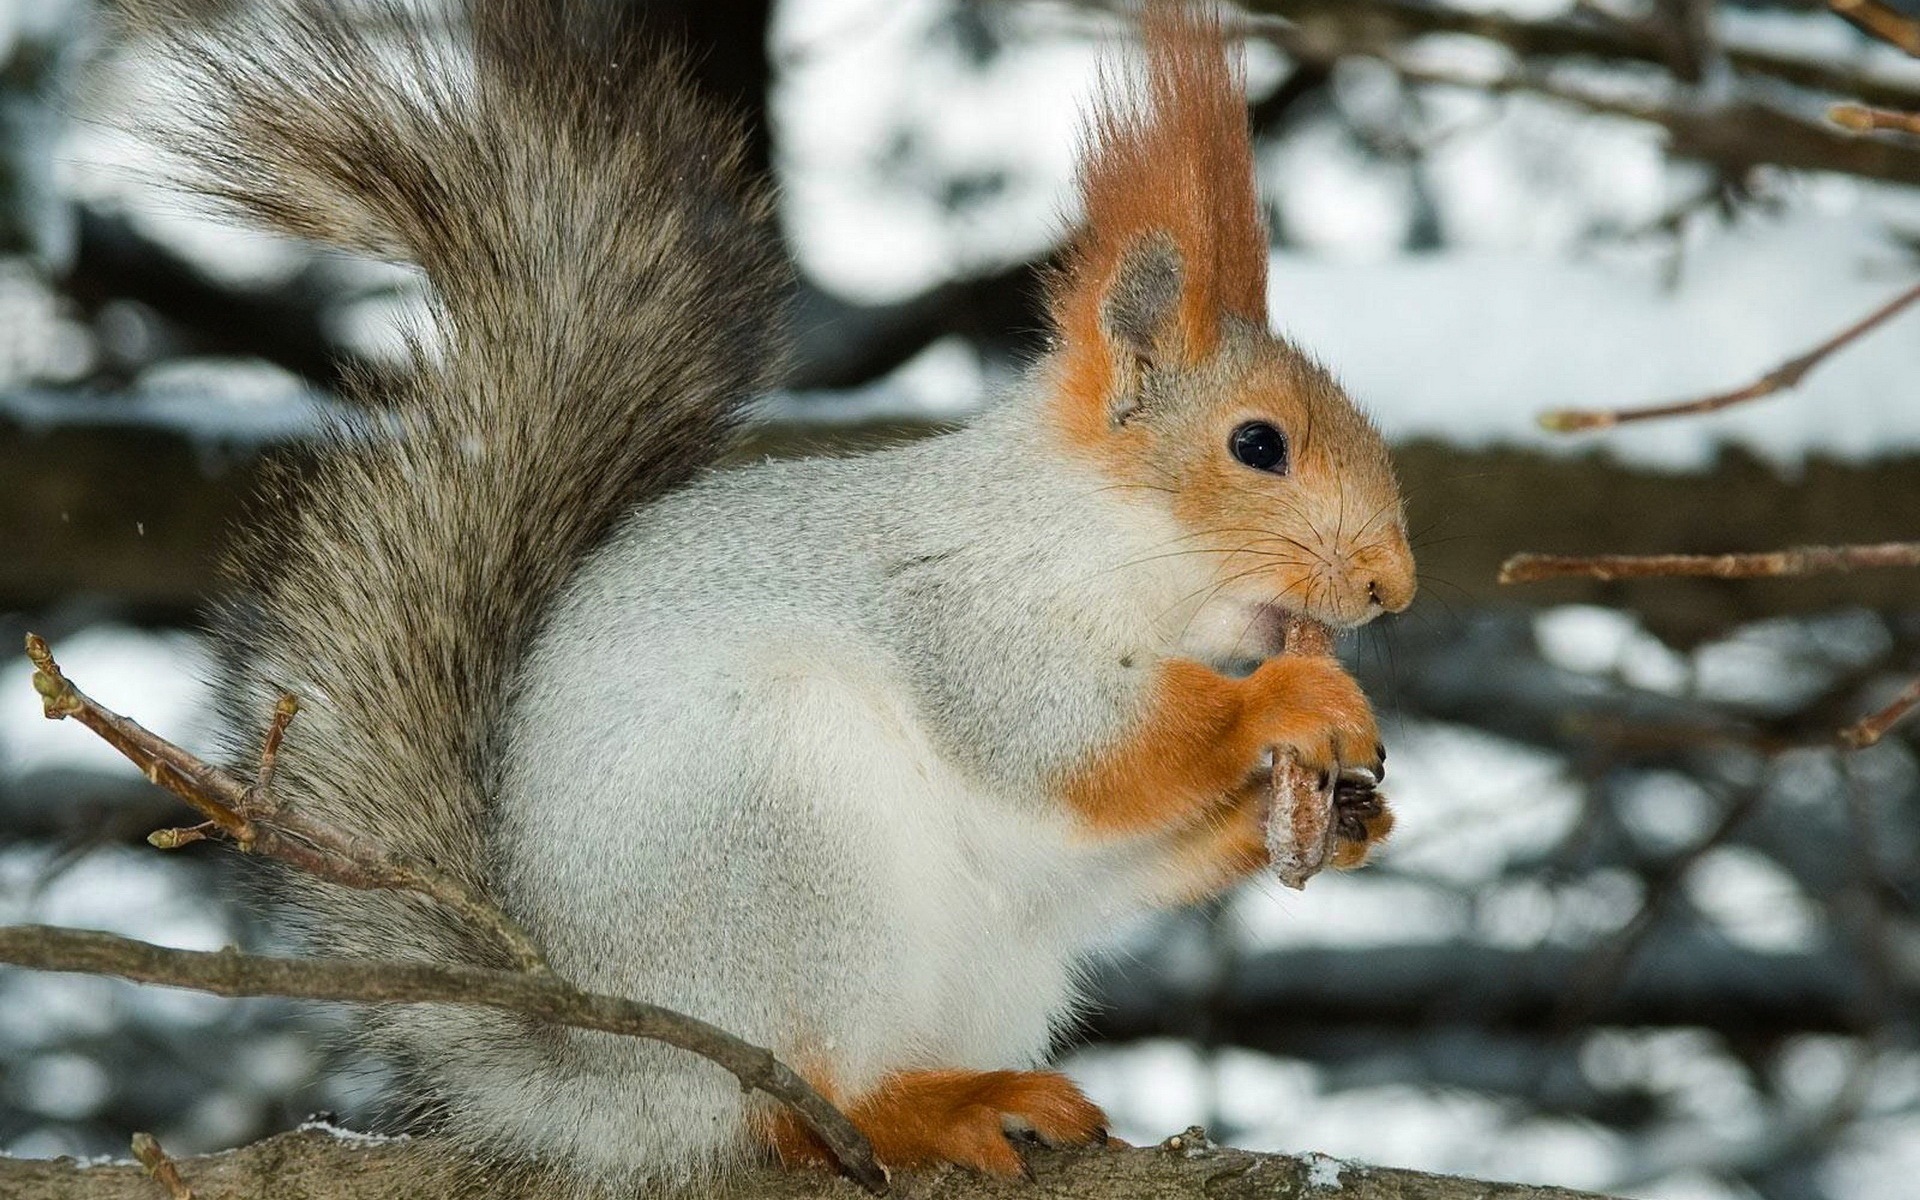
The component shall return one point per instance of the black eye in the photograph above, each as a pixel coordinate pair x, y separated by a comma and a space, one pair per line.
1260, 446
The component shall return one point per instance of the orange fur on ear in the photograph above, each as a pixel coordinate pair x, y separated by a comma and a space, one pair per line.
1167, 153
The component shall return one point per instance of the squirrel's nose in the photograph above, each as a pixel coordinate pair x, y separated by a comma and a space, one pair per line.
1391, 585
1388, 597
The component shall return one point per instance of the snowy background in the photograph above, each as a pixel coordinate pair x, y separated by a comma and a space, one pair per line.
1639, 932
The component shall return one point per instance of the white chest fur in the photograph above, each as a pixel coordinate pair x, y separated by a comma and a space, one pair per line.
757, 777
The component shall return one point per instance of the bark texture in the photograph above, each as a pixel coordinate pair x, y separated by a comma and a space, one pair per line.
316, 1165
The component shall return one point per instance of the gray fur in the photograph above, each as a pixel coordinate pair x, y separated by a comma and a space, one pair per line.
1144, 297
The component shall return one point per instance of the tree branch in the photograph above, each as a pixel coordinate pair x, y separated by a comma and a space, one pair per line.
286, 324
246, 816
1883, 21
160, 1165
1322, 1002
1735, 135
320, 1164
844, 345
1870, 729
1862, 119
1351, 24
1781, 378
1801, 560
363, 981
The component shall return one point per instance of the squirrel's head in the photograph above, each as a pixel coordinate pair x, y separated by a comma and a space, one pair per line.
1165, 374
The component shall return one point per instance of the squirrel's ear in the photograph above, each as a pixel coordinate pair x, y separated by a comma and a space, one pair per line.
1170, 240
1139, 315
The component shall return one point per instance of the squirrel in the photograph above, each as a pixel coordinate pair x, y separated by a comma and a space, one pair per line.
853, 757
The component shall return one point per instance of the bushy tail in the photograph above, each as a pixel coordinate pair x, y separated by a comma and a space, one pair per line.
602, 283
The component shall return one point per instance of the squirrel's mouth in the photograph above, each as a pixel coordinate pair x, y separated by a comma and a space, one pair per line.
1250, 626
1239, 628
1267, 628
1340, 603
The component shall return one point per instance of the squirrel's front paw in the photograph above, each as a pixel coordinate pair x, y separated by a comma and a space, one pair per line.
1311, 706
1362, 821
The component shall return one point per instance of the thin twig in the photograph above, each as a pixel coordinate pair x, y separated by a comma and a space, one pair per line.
1785, 376
283, 714
1871, 728
1359, 26
173, 839
364, 981
1883, 21
1801, 560
147, 1149
1862, 119
248, 817
1736, 135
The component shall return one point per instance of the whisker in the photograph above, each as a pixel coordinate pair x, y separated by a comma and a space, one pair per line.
1426, 543
1378, 513
1210, 591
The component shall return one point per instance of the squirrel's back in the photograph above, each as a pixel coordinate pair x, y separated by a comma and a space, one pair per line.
601, 282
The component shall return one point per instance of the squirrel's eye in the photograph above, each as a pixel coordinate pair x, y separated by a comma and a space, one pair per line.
1260, 446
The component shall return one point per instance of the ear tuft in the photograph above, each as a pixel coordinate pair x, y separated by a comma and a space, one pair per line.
1171, 240
1141, 310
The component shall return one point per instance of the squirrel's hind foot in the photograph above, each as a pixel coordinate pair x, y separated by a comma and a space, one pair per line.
926, 1118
